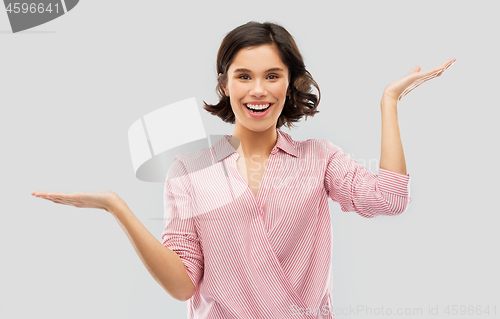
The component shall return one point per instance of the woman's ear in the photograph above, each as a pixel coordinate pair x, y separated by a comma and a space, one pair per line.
223, 86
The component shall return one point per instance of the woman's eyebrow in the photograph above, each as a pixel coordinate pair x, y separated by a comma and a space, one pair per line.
248, 71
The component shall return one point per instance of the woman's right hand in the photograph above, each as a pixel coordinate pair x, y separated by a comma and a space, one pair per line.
100, 200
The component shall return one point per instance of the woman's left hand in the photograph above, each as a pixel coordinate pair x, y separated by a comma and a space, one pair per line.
403, 86
100, 200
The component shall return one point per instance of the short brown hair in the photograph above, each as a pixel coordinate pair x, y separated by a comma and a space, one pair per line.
299, 103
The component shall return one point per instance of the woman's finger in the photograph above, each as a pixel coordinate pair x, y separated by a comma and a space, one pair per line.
50, 198
58, 198
38, 193
443, 66
430, 75
45, 195
449, 63
99, 200
415, 70
418, 83
415, 85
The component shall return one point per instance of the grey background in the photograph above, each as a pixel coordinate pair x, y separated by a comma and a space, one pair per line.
70, 89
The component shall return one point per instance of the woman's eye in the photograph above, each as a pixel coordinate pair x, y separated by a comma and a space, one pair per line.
244, 77
272, 77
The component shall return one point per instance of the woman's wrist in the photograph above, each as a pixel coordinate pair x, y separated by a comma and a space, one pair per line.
389, 99
388, 105
114, 204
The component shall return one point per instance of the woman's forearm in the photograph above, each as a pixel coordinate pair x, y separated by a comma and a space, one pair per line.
392, 157
164, 265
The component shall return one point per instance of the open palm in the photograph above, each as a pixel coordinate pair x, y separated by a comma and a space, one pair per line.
401, 87
100, 200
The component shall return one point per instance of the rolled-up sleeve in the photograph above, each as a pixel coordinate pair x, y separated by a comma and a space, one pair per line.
359, 190
180, 233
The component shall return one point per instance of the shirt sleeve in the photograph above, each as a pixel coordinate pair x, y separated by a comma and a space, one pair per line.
359, 190
180, 233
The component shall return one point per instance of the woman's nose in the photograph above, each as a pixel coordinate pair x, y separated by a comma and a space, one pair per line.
258, 89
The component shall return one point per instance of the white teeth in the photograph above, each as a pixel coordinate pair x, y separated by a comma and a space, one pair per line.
258, 107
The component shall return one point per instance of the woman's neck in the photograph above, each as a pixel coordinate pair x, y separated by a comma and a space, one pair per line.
256, 144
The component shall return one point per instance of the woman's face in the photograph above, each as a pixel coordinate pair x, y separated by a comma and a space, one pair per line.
257, 78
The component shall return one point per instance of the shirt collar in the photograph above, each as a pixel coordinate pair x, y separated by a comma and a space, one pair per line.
223, 149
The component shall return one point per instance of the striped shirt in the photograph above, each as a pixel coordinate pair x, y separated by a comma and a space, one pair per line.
268, 256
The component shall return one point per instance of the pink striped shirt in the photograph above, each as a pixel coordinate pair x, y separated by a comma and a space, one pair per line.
268, 256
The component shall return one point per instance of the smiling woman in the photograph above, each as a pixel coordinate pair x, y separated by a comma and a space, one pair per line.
258, 45
257, 87
248, 236
267, 251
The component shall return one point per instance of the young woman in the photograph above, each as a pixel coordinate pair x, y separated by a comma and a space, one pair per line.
264, 250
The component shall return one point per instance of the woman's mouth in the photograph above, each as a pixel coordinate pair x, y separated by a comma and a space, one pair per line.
257, 108
258, 111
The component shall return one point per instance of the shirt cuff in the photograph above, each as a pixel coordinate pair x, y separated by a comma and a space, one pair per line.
392, 182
